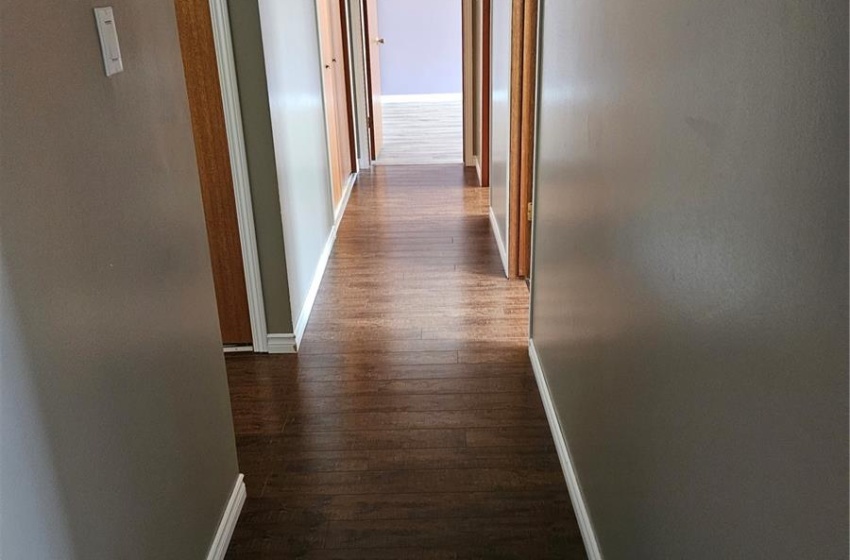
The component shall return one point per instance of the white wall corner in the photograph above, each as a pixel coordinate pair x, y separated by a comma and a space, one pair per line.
477, 163
307, 309
223, 534
277, 343
503, 253
591, 543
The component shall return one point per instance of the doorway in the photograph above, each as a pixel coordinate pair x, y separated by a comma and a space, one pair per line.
419, 81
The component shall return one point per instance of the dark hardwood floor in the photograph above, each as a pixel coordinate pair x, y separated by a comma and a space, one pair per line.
409, 426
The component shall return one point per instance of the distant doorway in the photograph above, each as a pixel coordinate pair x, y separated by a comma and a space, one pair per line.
416, 76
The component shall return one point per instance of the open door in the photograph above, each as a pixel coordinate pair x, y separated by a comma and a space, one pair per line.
373, 71
197, 45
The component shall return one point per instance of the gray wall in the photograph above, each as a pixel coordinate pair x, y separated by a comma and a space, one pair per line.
117, 439
293, 70
690, 271
259, 146
500, 113
423, 50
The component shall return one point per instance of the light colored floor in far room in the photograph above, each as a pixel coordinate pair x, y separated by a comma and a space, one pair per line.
422, 129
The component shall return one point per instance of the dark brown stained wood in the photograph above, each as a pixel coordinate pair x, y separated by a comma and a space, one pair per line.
409, 425
210, 135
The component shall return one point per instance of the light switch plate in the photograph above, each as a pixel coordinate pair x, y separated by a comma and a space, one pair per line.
112, 63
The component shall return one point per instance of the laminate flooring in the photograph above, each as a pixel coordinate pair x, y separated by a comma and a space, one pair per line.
409, 426
422, 130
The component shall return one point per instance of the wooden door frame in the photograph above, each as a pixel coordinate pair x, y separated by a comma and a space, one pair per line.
329, 117
486, 46
524, 27
239, 169
528, 133
361, 73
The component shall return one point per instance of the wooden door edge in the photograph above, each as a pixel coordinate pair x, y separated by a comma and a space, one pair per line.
486, 89
529, 122
516, 129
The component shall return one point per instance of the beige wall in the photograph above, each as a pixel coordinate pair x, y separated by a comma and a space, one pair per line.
690, 271
259, 146
117, 439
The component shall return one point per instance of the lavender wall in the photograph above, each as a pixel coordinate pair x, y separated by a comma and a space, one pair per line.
422, 53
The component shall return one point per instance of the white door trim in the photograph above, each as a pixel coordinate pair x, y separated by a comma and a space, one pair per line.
468, 84
588, 534
239, 168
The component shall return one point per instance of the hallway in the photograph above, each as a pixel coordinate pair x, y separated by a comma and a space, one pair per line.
410, 425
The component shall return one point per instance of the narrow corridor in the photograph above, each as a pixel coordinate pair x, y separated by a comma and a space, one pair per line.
410, 425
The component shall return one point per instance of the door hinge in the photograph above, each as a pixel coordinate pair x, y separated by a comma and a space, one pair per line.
529, 211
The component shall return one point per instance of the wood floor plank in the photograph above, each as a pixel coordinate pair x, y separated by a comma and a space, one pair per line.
498, 533
419, 459
413, 481
409, 425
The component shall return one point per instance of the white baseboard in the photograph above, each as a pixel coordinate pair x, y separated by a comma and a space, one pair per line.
218, 548
346, 194
281, 343
304, 316
288, 343
591, 544
498, 234
235, 349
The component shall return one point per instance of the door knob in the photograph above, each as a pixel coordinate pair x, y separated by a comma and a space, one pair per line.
380, 40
